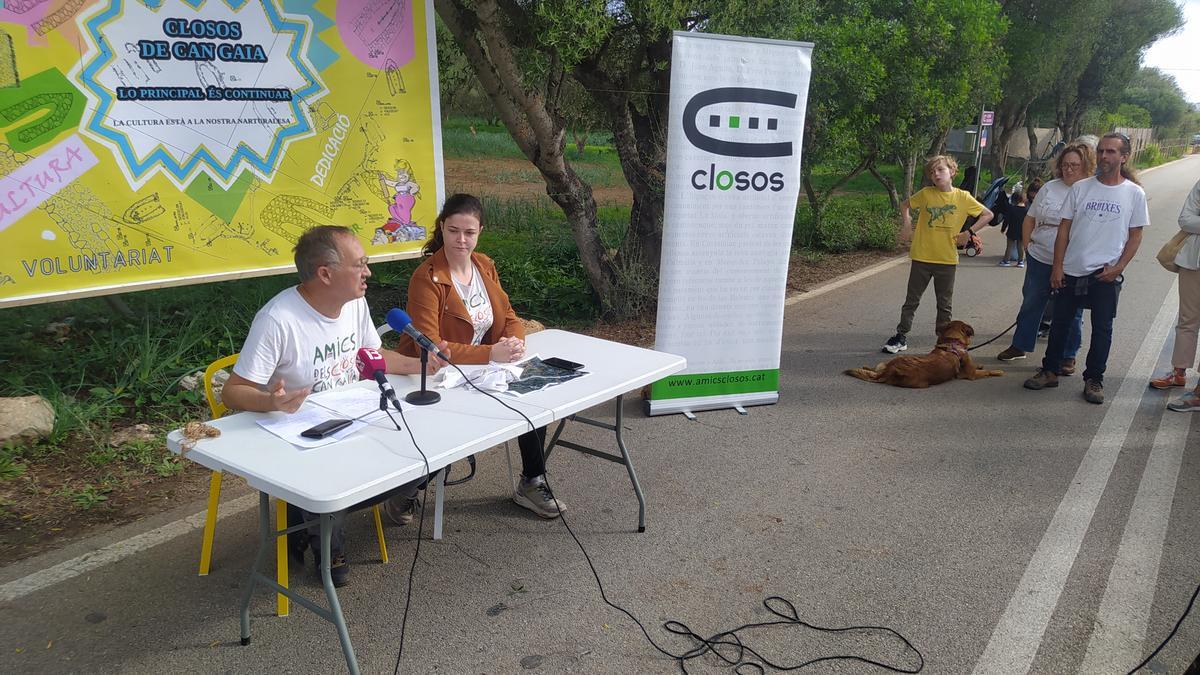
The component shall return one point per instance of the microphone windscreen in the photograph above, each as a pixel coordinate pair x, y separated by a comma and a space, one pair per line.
398, 319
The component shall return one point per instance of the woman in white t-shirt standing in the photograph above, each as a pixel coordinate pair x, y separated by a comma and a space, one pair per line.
1039, 232
456, 296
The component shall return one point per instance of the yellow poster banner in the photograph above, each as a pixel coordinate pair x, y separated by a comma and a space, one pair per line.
148, 143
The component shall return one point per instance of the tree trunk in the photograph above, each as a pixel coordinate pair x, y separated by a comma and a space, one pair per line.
1033, 167
529, 118
581, 138
938, 145
1009, 119
910, 172
888, 184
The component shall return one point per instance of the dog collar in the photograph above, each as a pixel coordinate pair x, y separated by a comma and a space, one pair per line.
956, 346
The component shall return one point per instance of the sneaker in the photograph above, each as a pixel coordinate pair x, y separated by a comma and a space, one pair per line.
1020, 263
401, 510
1044, 331
535, 495
1093, 391
1067, 367
1043, 379
1189, 403
340, 570
896, 343
1010, 354
1005, 263
1171, 379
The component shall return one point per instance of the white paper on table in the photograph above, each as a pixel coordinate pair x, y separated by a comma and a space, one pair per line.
349, 402
489, 377
288, 427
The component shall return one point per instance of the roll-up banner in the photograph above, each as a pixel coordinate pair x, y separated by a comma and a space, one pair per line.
149, 143
733, 177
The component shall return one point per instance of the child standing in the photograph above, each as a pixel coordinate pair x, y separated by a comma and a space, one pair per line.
1017, 210
942, 210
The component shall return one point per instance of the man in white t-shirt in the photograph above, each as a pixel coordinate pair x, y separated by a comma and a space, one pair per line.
1100, 231
305, 340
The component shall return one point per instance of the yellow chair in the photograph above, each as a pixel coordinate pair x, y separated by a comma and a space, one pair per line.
218, 409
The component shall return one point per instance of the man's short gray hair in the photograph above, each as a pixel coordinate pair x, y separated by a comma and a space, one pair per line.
317, 247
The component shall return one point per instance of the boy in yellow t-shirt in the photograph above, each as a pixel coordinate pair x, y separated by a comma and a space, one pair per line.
941, 211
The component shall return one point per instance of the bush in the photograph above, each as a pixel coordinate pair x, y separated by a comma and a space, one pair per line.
848, 223
1151, 155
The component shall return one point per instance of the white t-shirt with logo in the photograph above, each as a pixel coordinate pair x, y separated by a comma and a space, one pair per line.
1101, 217
479, 306
1046, 212
292, 342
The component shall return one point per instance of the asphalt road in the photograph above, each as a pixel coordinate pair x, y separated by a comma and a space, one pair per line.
997, 529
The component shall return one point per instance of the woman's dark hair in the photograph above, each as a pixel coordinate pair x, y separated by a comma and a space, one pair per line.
456, 204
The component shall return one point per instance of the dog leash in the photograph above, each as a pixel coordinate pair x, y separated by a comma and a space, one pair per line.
971, 349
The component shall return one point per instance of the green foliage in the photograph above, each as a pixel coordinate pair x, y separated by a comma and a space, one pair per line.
1159, 95
847, 223
460, 143
535, 255
10, 467
85, 498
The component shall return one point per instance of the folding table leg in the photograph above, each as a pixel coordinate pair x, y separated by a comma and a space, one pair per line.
637, 487
328, 521
438, 502
265, 535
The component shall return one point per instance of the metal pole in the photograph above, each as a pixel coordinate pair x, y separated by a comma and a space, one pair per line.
978, 152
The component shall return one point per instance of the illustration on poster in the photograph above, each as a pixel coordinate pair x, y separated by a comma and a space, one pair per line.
150, 143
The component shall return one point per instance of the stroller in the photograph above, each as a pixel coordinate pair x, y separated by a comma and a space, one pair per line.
996, 201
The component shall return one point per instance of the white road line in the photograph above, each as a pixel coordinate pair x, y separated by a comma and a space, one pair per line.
1119, 634
1018, 635
844, 281
118, 550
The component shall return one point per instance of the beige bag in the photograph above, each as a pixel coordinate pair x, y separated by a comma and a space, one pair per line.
1166, 255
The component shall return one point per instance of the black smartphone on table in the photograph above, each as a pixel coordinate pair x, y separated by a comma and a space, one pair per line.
562, 363
326, 428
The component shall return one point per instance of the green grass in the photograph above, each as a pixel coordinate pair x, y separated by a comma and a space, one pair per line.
494, 142
823, 178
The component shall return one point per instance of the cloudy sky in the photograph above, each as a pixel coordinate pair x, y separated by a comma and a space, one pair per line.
1176, 55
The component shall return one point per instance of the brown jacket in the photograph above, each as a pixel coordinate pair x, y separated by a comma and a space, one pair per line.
439, 313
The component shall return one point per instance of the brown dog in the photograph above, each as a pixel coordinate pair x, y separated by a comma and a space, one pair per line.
949, 360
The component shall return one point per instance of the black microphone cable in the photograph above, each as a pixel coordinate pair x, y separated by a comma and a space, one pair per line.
420, 527
1169, 636
718, 640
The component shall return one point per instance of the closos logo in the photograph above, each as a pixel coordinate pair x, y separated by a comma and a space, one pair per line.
713, 178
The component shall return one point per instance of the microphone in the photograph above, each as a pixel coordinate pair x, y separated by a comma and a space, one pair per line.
371, 366
401, 322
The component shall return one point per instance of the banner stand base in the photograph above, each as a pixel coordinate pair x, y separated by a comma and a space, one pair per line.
671, 406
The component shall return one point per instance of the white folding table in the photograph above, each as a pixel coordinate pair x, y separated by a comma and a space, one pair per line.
330, 479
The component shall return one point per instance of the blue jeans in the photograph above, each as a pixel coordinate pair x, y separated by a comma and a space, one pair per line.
1035, 294
1101, 298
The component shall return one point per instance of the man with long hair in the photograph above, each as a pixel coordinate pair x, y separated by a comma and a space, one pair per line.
1100, 231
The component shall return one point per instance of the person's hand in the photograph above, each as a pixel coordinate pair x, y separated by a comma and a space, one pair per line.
287, 401
508, 349
435, 362
962, 238
1056, 277
1110, 273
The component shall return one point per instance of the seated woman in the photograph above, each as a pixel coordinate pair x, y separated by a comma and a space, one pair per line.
455, 295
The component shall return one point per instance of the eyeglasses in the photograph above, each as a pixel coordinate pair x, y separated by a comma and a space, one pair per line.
1072, 165
360, 264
